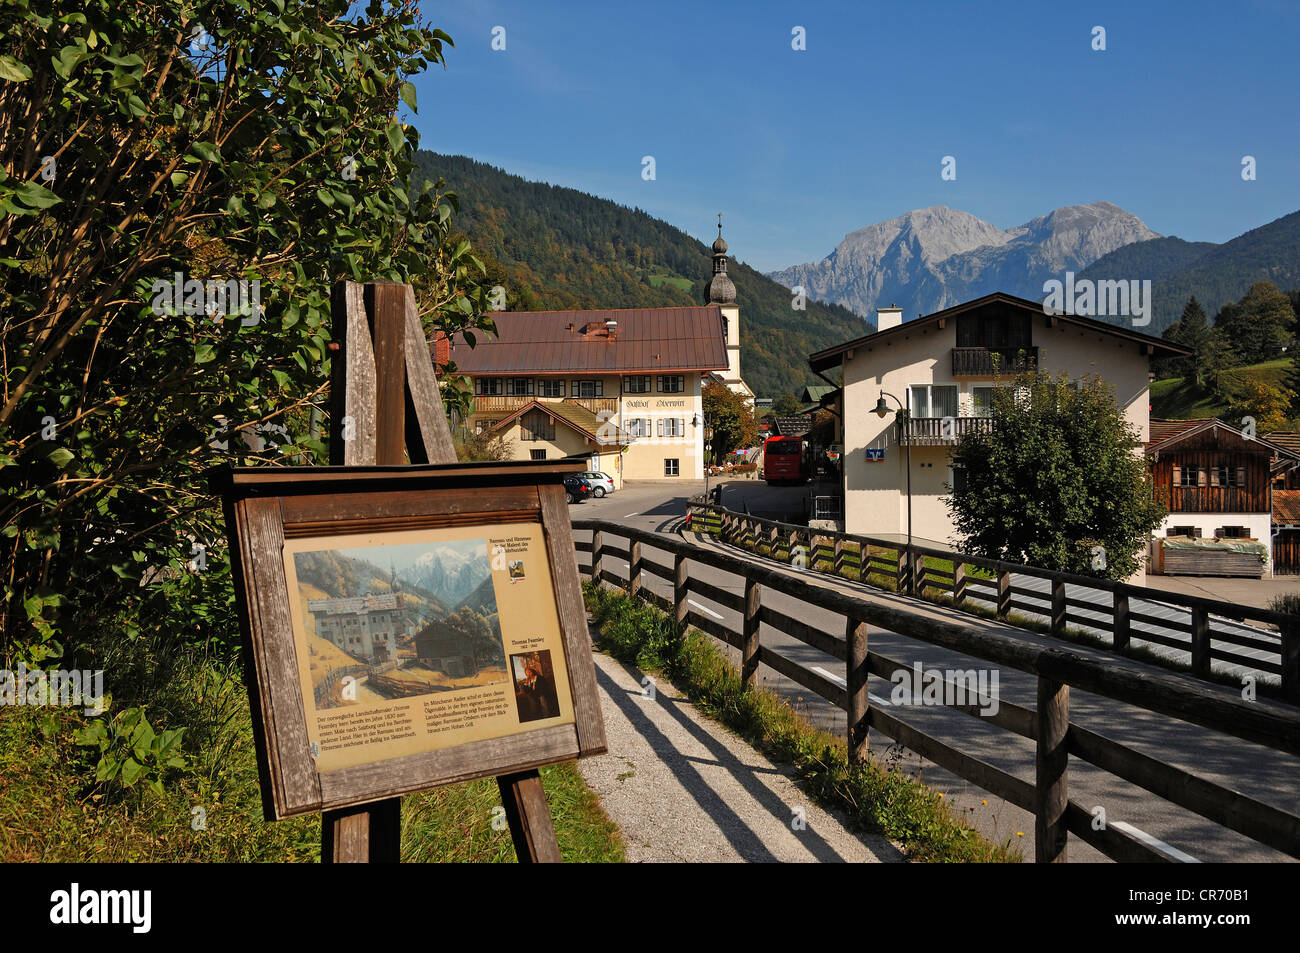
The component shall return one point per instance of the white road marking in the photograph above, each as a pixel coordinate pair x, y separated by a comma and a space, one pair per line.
836, 678
629, 515
704, 608
1155, 842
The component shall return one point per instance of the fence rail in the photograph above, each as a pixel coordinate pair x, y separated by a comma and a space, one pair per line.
1271, 724
906, 566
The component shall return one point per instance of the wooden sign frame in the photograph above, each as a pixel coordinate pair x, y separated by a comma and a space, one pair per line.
265, 507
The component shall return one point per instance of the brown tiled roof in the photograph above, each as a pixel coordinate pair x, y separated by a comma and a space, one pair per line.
1162, 430
1287, 440
576, 416
1286, 507
646, 340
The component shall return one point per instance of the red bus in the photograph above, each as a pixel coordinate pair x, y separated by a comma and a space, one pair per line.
783, 461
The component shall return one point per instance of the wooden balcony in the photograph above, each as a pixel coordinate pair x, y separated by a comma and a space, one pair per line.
987, 362
931, 432
508, 405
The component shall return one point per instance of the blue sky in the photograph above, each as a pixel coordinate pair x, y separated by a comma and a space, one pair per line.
799, 148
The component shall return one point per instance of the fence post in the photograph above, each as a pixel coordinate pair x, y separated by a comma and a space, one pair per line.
749, 633
1058, 606
633, 567
680, 582
597, 541
1121, 621
855, 677
1200, 642
958, 583
918, 573
1051, 787
1004, 592
1291, 662
900, 577
838, 566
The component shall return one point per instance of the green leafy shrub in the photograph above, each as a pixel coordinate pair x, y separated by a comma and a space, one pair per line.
131, 751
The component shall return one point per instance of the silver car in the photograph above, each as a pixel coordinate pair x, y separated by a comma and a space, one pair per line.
601, 483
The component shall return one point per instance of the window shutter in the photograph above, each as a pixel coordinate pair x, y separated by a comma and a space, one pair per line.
1241, 476
1202, 478
1214, 476
660, 428
1178, 475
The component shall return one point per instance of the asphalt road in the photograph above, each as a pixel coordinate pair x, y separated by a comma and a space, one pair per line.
1251, 769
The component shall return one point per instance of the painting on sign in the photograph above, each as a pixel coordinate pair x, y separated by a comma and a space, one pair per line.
404, 639
385, 621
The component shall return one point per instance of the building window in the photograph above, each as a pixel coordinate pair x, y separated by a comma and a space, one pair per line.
1191, 531
636, 385
671, 469
981, 401
1233, 532
537, 425
934, 400
636, 427
672, 383
550, 388
482, 426
1224, 475
1191, 476
519, 387
594, 388
957, 479
537, 454
671, 427
487, 386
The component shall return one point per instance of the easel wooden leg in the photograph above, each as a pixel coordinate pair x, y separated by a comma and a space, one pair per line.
369, 834
530, 818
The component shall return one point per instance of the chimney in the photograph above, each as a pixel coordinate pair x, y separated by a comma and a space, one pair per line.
441, 349
611, 327
890, 317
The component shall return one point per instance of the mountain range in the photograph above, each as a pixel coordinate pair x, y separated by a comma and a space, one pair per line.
449, 572
932, 258
929, 259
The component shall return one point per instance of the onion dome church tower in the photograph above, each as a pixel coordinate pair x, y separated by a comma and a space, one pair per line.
722, 292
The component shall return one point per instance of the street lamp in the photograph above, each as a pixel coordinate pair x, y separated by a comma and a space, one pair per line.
882, 409
708, 448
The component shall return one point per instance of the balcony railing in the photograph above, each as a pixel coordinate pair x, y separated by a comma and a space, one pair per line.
934, 431
508, 405
987, 362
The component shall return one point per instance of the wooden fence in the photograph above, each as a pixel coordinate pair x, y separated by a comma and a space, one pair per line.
1271, 724
972, 581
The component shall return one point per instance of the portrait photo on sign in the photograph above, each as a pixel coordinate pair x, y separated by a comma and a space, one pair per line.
396, 621
535, 694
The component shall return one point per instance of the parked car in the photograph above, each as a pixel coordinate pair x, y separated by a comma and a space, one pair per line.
601, 483
576, 489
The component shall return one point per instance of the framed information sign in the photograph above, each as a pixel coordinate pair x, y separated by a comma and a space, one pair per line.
408, 626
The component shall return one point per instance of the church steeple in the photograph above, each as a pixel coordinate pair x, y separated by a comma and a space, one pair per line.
720, 290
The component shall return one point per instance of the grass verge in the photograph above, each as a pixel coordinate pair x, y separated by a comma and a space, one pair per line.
878, 799
51, 810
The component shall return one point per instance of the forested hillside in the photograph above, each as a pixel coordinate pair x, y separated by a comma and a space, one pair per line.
1214, 274
553, 247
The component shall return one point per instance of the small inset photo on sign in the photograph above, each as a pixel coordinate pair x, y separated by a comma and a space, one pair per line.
516, 568
535, 694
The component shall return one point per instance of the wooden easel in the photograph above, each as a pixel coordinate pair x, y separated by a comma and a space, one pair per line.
384, 397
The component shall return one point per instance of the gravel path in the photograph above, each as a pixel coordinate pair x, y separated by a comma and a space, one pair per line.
684, 789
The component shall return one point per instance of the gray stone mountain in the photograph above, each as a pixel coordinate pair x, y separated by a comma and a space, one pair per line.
933, 258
